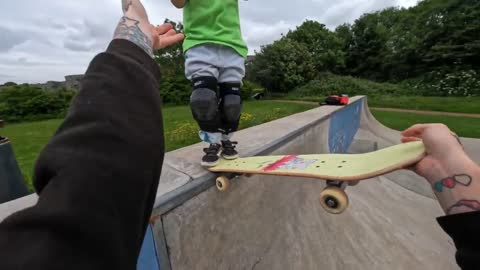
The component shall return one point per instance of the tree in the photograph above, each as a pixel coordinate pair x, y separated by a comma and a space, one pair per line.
171, 59
368, 47
174, 87
325, 47
345, 35
283, 65
396, 44
7, 84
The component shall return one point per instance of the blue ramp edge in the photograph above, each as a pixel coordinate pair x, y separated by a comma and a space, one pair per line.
148, 259
344, 125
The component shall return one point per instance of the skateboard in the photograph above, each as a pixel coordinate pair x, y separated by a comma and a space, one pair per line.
339, 170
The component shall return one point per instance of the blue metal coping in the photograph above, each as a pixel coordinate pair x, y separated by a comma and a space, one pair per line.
344, 125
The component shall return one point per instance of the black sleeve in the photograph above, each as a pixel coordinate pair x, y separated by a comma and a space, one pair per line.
464, 230
97, 178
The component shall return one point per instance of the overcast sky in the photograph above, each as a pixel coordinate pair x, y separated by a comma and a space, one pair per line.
43, 40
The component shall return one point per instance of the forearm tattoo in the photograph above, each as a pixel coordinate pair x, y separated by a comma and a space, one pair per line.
128, 29
451, 182
464, 206
126, 5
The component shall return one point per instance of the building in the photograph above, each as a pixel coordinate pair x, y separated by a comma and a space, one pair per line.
72, 82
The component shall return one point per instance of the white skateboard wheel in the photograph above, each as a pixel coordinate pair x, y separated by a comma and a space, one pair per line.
334, 200
222, 183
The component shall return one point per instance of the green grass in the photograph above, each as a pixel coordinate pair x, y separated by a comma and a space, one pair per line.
180, 129
27, 140
441, 104
465, 127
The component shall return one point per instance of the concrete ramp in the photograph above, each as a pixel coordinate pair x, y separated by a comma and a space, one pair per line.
268, 222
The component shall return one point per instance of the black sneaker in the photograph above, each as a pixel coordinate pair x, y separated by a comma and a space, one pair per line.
210, 158
228, 150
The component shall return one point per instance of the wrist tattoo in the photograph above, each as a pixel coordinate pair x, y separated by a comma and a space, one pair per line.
451, 181
464, 206
126, 5
128, 29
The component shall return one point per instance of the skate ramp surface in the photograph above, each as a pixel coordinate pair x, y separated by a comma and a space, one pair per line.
268, 222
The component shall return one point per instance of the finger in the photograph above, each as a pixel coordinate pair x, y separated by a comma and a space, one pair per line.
415, 130
171, 32
164, 28
169, 40
410, 139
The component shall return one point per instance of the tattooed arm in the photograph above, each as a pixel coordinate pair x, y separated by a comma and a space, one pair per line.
135, 27
95, 200
454, 177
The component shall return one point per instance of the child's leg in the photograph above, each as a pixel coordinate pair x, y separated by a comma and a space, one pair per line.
230, 107
232, 71
231, 74
201, 69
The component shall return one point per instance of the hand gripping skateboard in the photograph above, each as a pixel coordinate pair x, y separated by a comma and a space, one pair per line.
338, 168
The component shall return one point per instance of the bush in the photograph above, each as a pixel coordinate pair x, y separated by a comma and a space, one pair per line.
441, 83
175, 90
333, 84
282, 66
249, 89
26, 103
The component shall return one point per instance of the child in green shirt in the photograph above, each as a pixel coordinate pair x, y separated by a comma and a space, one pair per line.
215, 64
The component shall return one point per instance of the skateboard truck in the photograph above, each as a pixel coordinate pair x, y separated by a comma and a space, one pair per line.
332, 198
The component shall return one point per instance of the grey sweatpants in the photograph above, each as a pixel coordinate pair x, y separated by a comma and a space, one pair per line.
214, 60
218, 61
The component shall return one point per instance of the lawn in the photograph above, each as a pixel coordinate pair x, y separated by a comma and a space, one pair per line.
441, 104
180, 129
465, 127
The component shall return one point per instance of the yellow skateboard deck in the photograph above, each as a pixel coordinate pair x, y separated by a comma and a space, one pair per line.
336, 167
342, 167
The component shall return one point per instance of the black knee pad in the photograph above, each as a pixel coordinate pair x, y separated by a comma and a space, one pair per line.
230, 106
204, 104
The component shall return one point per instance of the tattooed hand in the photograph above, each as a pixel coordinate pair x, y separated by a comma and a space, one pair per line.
454, 177
135, 27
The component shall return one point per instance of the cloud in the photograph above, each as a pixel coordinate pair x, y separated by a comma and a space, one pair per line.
9, 38
87, 36
46, 40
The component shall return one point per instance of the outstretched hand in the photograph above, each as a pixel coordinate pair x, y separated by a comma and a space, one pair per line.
135, 27
164, 35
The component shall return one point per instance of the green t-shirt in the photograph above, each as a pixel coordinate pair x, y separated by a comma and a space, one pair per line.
213, 21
